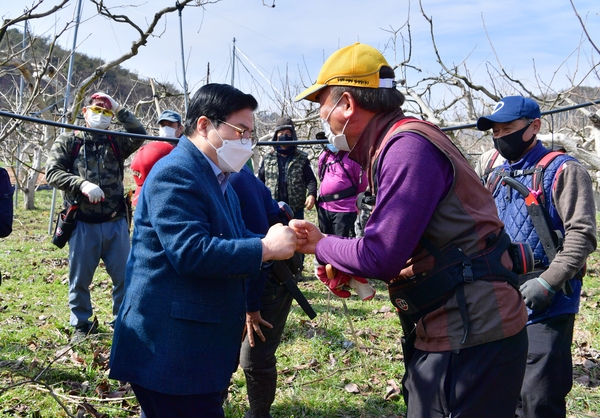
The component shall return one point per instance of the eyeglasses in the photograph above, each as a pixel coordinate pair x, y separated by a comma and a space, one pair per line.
98, 109
241, 132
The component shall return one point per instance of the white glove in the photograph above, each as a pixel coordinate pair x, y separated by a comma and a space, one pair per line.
114, 106
93, 192
362, 288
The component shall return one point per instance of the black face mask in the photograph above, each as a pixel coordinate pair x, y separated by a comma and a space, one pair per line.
512, 146
286, 151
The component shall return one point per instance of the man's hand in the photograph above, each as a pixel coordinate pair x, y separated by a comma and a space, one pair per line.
253, 322
335, 280
93, 192
279, 243
308, 235
537, 294
309, 203
114, 106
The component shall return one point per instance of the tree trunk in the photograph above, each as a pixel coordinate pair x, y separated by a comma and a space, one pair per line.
33, 175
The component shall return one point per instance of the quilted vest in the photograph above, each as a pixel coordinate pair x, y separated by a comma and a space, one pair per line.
511, 204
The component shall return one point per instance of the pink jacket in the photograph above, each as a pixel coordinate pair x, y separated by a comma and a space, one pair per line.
338, 173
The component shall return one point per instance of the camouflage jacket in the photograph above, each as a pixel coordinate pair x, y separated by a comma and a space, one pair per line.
97, 163
295, 180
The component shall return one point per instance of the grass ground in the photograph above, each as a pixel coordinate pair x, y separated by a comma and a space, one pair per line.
327, 366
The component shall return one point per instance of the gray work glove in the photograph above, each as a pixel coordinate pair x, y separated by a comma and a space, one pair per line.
537, 294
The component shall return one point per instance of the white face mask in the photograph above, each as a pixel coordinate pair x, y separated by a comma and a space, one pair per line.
97, 120
166, 132
339, 141
232, 155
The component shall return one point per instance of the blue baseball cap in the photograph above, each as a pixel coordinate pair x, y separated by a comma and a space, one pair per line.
508, 109
169, 115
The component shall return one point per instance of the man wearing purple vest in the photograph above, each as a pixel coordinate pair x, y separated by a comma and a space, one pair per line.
432, 230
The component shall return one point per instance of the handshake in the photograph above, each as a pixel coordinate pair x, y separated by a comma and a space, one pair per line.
340, 283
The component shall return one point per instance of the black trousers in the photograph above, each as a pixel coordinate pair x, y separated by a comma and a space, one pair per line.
475, 382
336, 223
160, 405
259, 362
549, 372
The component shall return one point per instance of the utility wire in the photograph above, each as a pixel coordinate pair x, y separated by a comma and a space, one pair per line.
309, 142
269, 82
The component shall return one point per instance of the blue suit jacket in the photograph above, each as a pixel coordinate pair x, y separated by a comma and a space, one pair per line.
180, 326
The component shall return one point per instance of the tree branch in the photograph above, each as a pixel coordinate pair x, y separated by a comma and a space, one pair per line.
453, 73
584, 28
28, 15
141, 41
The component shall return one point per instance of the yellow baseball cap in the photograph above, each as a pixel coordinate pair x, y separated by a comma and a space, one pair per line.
356, 65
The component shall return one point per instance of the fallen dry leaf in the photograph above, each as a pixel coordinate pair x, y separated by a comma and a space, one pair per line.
102, 388
383, 309
77, 359
115, 394
583, 380
310, 365
392, 390
352, 388
290, 379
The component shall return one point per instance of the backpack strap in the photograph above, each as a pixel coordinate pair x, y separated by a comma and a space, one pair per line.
117, 153
538, 174
343, 194
492, 175
78, 142
337, 159
490, 165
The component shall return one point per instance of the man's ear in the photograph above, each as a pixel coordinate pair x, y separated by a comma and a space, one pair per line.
202, 126
536, 125
348, 104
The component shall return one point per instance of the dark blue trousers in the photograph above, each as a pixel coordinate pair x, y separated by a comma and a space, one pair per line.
160, 405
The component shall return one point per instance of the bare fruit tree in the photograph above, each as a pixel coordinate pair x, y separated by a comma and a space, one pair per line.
449, 94
453, 99
26, 144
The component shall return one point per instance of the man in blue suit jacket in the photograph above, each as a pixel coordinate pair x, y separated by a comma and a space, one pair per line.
178, 333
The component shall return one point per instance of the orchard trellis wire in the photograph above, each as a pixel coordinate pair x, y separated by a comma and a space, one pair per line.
260, 143
311, 142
